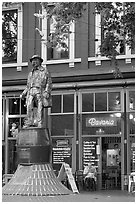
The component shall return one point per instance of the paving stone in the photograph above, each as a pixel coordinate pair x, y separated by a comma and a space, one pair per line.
35, 180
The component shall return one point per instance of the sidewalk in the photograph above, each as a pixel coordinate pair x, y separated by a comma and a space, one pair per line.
94, 196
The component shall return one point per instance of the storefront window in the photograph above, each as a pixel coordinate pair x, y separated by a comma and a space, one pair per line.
22, 121
114, 103
101, 124
17, 112
132, 123
23, 107
87, 102
100, 101
62, 122
62, 125
131, 100
131, 106
68, 103
14, 106
14, 124
56, 104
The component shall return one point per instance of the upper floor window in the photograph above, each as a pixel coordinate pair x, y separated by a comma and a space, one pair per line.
9, 36
59, 37
12, 33
112, 29
59, 42
112, 32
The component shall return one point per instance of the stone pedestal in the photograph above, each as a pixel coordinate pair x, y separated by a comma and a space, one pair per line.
34, 175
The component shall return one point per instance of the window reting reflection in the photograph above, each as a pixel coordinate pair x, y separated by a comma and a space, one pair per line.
9, 36
57, 50
101, 101
131, 100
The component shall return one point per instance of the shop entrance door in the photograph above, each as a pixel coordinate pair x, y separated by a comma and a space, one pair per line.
111, 162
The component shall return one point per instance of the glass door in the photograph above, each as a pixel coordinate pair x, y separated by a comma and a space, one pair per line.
100, 130
111, 162
90, 154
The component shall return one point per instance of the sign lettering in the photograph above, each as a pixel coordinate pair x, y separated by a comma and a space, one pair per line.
99, 122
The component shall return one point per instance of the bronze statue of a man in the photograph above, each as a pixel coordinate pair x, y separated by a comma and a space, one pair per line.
37, 92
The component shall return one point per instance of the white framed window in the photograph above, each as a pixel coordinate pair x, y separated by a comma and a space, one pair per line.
57, 54
124, 51
59, 51
12, 31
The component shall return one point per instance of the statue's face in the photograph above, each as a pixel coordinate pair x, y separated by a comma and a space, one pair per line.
36, 62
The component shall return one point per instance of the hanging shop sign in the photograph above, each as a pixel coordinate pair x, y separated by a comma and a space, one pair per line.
101, 122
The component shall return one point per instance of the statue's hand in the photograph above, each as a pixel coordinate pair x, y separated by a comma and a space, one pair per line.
46, 95
22, 96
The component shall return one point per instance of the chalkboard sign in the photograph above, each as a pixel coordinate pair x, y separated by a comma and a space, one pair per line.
61, 152
89, 145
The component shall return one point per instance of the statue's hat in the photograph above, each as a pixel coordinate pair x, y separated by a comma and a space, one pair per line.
36, 56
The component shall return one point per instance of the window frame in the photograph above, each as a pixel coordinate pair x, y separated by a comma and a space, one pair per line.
98, 58
71, 59
62, 105
130, 135
50, 114
102, 91
19, 115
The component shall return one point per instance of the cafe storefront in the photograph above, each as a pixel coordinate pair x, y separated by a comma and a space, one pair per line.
86, 125
89, 126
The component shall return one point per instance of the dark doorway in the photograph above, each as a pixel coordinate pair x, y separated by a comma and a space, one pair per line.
111, 162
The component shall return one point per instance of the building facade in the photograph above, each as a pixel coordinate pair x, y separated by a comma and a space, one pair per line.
93, 114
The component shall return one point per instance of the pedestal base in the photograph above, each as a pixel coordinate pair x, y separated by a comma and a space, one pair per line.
33, 146
36, 180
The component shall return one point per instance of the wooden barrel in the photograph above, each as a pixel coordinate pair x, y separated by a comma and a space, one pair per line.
33, 146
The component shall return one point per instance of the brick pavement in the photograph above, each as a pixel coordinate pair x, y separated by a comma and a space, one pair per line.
95, 196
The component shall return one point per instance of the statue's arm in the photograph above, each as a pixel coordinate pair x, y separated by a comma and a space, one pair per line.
48, 85
24, 93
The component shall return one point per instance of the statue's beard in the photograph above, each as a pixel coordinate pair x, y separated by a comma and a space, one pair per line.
35, 66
